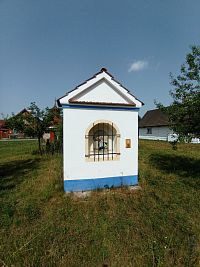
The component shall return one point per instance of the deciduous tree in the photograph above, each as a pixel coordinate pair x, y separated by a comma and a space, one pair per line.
34, 123
184, 112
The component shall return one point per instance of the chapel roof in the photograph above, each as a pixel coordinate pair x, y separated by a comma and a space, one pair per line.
98, 103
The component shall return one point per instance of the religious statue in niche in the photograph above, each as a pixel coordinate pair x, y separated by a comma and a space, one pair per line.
100, 141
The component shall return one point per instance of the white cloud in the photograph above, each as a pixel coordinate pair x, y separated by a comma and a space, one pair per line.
138, 65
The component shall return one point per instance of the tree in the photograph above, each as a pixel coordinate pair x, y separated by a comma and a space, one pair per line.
15, 122
34, 123
184, 112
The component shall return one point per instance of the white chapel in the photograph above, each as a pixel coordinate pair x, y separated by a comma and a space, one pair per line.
100, 134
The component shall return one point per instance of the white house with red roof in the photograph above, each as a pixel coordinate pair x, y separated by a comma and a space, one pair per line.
100, 134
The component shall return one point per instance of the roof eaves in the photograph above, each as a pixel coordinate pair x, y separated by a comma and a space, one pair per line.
152, 125
127, 90
100, 103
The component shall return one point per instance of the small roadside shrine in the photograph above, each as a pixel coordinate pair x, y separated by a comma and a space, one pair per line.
100, 135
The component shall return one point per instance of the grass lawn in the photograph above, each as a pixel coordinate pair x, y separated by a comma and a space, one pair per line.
156, 226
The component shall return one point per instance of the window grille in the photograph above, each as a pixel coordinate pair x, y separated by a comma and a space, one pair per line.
102, 142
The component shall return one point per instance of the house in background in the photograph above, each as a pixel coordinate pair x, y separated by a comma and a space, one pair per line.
155, 126
100, 134
24, 112
5, 132
50, 134
19, 134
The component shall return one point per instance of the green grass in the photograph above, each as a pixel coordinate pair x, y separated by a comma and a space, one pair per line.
156, 226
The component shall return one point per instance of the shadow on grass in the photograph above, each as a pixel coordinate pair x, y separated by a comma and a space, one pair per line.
185, 167
14, 172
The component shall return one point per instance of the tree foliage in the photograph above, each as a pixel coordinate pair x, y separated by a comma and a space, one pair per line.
34, 122
184, 112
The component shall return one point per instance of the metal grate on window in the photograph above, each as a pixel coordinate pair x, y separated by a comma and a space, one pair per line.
102, 142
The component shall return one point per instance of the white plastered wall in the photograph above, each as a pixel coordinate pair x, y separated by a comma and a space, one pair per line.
158, 133
103, 80
76, 121
103, 91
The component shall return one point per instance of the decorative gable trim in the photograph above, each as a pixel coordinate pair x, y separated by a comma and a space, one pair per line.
100, 103
71, 96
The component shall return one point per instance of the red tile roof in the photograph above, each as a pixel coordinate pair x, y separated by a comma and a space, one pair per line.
100, 103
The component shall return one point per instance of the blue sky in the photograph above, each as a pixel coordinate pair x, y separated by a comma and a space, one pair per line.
47, 47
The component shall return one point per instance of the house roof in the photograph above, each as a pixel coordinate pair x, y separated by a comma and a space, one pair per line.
153, 118
24, 111
77, 95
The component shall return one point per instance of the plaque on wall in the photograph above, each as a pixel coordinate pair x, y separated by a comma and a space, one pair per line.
128, 143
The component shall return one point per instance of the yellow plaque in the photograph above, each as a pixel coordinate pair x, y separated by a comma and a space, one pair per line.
128, 143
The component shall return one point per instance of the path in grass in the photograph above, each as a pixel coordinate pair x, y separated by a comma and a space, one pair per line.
157, 226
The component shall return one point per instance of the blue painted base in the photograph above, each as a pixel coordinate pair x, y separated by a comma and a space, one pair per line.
92, 184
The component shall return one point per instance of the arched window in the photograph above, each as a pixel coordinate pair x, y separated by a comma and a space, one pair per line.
102, 142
